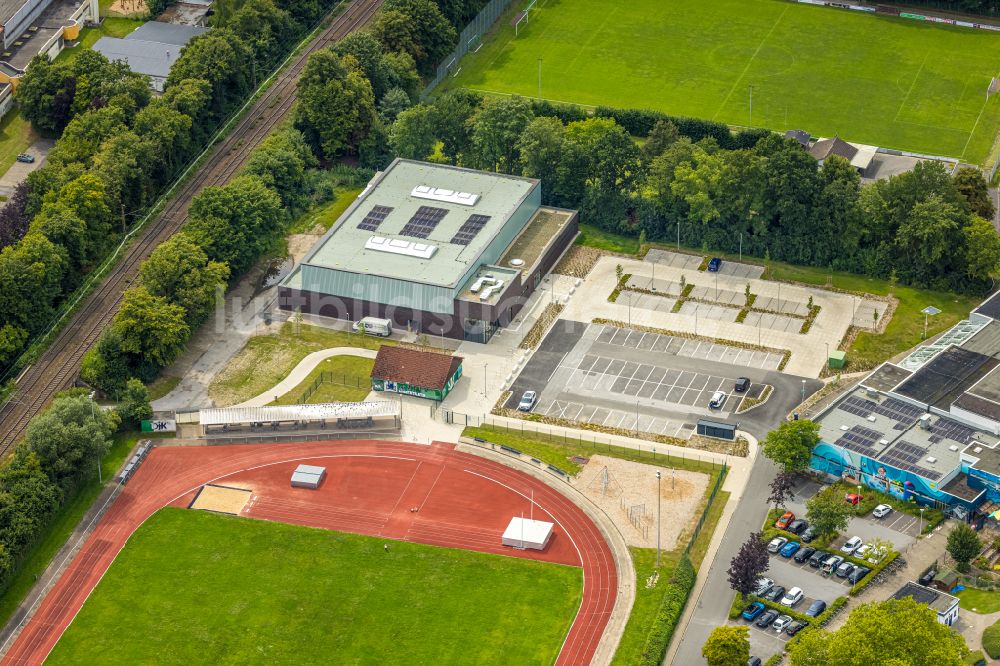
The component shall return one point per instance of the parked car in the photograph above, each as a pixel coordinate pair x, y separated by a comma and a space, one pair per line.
785, 520
853, 498
858, 574
718, 398
775, 594
528, 401
808, 535
751, 612
795, 627
753, 661
776, 544
845, 569
816, 608
816, 559
742, 384
789, 548
782, 622
714, 265
798, 526
831, 563
852, 545
792, 597
765, 620
882, 510
804, 554
763, 585
26, 158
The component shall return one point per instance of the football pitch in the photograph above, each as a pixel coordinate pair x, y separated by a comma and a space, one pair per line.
890, 82
194, 587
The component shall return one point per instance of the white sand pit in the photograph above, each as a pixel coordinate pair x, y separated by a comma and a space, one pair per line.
626, 491
221, 499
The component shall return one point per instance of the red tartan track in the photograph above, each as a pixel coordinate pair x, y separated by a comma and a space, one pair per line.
463, 501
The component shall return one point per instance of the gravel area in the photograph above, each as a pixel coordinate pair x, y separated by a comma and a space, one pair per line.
630, 487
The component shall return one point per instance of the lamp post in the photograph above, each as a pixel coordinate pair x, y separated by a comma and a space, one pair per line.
678, 235
921, 529
929, 311
803, 391
741, 246
100, 474
657, 519
751, 105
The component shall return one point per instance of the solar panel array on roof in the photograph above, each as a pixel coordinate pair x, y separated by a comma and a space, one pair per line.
423, 222
907, 457
469, 229
858, 406
946, 429
904, 414
860, 440
374, 218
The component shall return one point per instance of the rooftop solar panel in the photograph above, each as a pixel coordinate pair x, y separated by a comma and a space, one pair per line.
374, 218
907, 457
860, 440
423, 222
469, 229
991, 307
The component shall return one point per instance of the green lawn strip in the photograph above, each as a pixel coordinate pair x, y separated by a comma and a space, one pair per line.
196, 587
886, 95
348, 380
647, 601
162, 385
904, 331
592, 236
16, 136
557, 450
979, 601
41, 555
326, 214
267, 359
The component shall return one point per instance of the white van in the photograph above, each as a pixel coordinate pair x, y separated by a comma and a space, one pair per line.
374, 326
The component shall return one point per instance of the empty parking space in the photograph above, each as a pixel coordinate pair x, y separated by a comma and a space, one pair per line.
675, 259
773, 322
773, 304
657, 342
720, 296
648, 283
737, 269
865, 311
646, 301
613, 418
706, 311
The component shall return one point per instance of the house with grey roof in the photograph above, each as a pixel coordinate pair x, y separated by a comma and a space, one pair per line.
151, 49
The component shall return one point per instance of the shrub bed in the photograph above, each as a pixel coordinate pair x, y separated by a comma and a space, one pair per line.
991, 640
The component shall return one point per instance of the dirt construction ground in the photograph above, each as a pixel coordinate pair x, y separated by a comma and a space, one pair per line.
627, 493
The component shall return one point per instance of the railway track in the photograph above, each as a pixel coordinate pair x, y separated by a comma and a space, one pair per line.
59, 365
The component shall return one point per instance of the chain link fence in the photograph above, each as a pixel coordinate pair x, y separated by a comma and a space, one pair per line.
470, 39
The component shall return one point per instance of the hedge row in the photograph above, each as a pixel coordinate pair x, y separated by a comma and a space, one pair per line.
639, 122
991, 640
876, 570
681, 581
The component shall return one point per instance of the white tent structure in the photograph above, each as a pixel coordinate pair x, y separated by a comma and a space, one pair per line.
308, 476
526, 533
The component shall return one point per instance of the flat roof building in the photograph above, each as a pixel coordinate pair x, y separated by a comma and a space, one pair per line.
943, 604
926, 428
439, 249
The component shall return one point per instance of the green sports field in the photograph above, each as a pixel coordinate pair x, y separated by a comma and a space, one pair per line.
194, 587
891, 82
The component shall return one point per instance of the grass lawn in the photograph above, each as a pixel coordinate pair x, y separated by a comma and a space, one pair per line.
112, 26
326, 214
40, 556
979, 601
348, 379
162, 385
16, 135
267, 359
900, 84
196, 587
904, 331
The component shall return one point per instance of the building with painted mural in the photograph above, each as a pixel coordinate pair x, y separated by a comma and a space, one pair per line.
925, 429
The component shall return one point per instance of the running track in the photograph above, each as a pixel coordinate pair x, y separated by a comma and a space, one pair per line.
462, 501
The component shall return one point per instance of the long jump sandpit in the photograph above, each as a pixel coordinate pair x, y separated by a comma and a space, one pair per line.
426, 494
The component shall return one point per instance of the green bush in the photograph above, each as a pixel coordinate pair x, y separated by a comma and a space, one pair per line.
674, 600
877, 569
991, 640
976, 658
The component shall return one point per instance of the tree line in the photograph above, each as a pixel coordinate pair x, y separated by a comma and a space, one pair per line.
117, 151
686, 180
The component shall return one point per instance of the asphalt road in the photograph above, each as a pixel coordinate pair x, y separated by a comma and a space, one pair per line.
712, 605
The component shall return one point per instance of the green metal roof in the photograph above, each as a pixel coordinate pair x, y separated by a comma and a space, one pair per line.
343, 247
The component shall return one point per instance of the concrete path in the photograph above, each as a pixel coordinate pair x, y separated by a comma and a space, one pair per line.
301, 371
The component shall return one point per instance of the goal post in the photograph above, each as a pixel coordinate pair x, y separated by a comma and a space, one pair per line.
521, 18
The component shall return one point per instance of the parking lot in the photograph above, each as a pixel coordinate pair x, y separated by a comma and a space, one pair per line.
633, 380
898, 527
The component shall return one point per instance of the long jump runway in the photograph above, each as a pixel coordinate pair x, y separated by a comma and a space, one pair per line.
425, 494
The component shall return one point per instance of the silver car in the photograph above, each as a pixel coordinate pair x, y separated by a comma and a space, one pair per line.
718, 398
528, 401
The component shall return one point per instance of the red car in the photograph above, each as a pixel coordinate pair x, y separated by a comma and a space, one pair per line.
853, 498
783, 522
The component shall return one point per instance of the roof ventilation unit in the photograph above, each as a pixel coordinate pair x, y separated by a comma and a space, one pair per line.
925, 421
978, 449
447, 196
953, 448
931, 459
871, 418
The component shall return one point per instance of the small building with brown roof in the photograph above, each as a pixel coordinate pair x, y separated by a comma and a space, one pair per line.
860, 156
425, 374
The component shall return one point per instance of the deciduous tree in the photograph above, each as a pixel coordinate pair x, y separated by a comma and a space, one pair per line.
963, 545
412, 134
828, 513
727, 645
749, 563
790, 444
150, 327
133, 406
